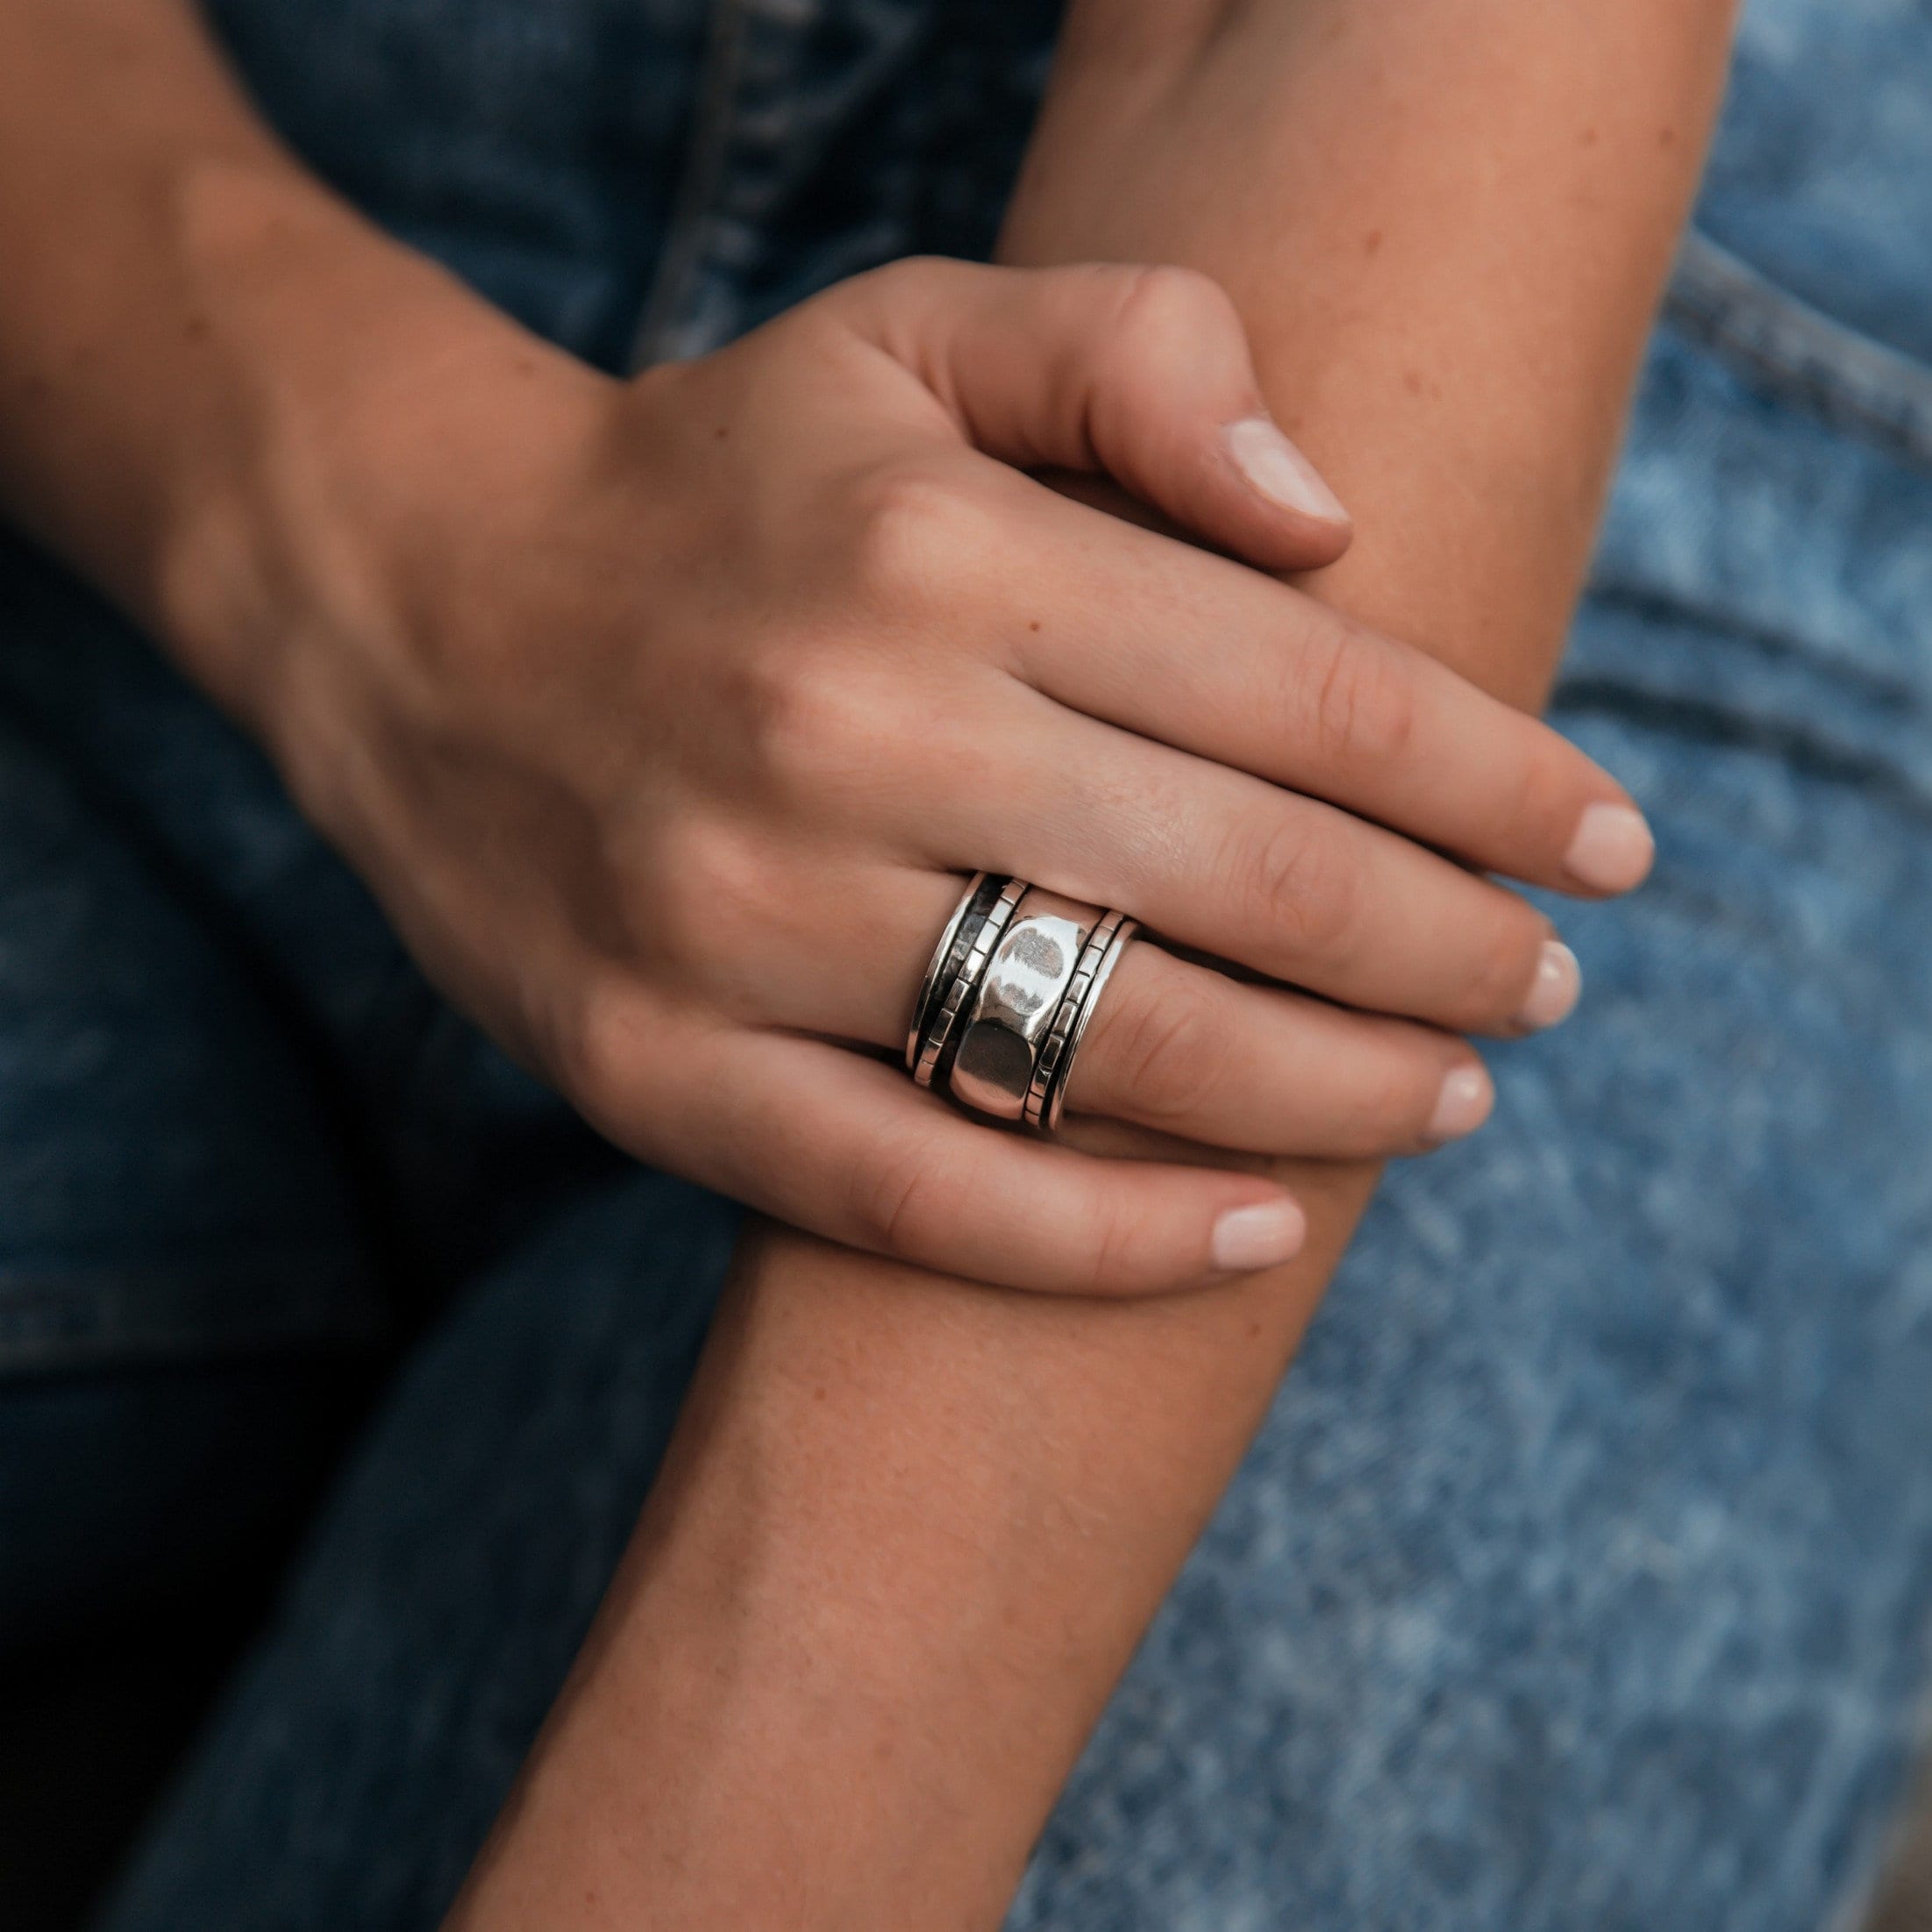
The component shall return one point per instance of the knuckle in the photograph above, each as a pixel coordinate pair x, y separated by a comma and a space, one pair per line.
1115, 1258
889, 278
599, 1052
898, 1202
1397, 1101
1293, 884
914, 531
1534, 799
1503, 966
812, 712
1164, 307
711, 897
1361, 702
1166, 1057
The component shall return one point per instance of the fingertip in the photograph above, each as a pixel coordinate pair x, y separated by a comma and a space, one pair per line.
1463, 1103
1259, 1234
1311, 546
1612, 849
1277, 472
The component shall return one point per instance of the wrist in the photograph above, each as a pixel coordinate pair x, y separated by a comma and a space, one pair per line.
750, 1736
352, 408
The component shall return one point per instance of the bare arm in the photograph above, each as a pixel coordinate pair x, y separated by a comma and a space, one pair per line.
906, 1540
910, 1531
605, 686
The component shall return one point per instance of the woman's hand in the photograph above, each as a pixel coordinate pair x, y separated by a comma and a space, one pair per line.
666, 717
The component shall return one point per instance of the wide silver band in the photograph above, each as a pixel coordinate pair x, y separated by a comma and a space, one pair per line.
1018, 997
1008, 996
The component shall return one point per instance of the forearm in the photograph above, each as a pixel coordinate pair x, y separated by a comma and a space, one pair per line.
910, 1531
210, 366
1446, 223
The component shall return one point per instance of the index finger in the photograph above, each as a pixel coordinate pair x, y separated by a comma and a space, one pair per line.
1216, 658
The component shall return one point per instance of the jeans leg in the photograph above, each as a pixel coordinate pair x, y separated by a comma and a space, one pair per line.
371, 1738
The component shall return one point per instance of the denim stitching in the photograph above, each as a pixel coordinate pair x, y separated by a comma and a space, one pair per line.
1844, 378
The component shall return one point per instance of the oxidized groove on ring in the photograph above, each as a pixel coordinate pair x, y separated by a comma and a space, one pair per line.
1053, 1045
1118, 941
966, 981
1000, 964
957, 934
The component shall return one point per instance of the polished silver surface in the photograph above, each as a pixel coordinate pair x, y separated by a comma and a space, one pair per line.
1018, 997
929, 987
966, 981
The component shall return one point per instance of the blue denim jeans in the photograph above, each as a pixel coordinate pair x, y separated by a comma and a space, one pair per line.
1582, 1573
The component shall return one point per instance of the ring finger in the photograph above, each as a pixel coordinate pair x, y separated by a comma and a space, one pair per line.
1173, 1045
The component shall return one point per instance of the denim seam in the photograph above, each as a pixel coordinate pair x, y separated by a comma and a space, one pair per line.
1802, 355
700, 179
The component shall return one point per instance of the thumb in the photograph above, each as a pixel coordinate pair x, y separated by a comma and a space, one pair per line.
1143, 373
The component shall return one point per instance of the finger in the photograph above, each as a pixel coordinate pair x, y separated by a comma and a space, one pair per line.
849, 1148
1190, 1052
1172, 1045
1175, 645
1227, 865
1143, 373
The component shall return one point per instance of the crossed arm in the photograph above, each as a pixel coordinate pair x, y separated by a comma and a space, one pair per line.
910, 1530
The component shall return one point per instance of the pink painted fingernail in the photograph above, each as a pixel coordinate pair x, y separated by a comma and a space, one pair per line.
1464, 1104
1612, 849
1553, 993
1276, 469
1246, 1239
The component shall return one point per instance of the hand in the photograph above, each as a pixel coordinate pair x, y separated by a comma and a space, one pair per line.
667, 715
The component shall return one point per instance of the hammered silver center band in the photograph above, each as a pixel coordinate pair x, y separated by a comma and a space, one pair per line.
1008, 996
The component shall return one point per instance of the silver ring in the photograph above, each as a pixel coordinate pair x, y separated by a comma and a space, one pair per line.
1008, 996
1020, 992
1111, 939
929, 987
934, 1022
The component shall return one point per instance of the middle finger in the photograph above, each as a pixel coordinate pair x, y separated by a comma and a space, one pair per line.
1231, 866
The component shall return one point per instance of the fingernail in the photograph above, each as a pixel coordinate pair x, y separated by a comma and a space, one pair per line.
1463, 1105
1553, 994
1612, 849
1246, 1239
1279, 471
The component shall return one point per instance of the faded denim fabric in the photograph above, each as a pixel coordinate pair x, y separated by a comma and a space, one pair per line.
1582, 1575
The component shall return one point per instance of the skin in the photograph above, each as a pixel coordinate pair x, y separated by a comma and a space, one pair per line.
910, 1530
611, 689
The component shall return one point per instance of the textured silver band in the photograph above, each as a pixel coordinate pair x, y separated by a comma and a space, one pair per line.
964, 980
1089, 998
1008, 996
936, 970
1056, 1048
